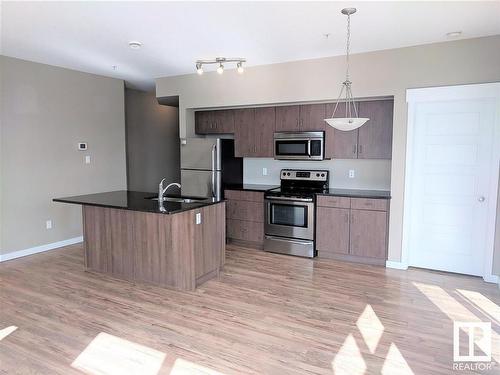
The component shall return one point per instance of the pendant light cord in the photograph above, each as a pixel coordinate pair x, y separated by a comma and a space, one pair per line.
348, 45
350, 105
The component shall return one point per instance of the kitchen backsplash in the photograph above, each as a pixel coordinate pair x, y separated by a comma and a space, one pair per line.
368, 174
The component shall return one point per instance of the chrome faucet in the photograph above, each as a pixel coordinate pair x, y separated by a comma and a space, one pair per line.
162, 191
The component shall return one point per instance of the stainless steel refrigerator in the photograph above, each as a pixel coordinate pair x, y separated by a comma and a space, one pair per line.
207, 165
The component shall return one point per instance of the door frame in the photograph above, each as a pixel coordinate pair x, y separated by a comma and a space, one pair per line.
448, 93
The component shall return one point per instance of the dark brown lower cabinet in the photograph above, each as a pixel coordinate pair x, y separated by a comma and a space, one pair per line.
368, 234
245, 217
345, 232
332, 230
243, 230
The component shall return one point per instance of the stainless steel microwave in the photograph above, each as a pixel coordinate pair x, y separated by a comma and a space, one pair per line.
299, 145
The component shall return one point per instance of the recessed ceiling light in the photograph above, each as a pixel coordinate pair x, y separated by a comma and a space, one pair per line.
135, 45
454, 34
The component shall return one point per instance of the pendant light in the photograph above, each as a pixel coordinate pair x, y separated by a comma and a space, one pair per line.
351, 121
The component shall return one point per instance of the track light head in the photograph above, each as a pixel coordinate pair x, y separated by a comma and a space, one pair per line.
240, 68
220, 69
199, 68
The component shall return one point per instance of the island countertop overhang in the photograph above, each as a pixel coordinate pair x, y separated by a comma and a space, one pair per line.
134, 201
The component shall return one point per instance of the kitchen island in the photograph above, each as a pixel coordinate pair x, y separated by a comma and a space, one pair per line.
127, 236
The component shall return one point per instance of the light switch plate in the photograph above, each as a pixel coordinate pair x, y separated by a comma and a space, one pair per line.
198, 218
87, 159
264, 171
352, 173
48, 224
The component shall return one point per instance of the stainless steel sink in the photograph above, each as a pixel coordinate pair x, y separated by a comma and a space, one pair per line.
179, 199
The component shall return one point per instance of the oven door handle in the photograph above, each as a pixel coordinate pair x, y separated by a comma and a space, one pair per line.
290, 199
299, 242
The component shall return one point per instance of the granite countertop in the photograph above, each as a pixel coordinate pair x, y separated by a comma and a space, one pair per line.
357, 193
135, 201
250, 187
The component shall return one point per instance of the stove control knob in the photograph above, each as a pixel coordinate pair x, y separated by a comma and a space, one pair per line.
317, 174
288, 174
322, 175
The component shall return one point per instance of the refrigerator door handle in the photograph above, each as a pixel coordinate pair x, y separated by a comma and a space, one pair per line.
214, 149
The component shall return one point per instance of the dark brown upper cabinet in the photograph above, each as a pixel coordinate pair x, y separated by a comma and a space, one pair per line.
203, 121
288, 118
307, 117
214, 122
373, 140
312, 117
254, 131
340, 144
243, 121
375, 137
263, 135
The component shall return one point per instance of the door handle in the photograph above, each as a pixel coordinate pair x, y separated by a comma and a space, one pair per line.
289, 199
481, 199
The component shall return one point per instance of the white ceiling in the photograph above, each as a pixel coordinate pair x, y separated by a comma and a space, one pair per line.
94, 36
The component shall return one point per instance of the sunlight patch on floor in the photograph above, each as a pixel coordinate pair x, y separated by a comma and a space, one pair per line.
6, 332
348, 360
446, 303
111, 355
183, 367
394, 363
484, 304
457, 312
371, 328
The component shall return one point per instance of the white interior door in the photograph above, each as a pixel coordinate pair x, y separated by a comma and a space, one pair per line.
450, 176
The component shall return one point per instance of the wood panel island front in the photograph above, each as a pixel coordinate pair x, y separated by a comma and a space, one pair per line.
127, 236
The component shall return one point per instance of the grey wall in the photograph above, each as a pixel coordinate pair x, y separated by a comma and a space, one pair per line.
153, 150
380, 73
45, 112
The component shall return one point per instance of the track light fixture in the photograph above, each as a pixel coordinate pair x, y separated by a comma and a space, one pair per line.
221, 61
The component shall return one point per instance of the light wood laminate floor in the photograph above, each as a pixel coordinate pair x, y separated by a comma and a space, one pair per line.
265, 314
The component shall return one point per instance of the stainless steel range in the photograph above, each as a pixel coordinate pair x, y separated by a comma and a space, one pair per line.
290, 214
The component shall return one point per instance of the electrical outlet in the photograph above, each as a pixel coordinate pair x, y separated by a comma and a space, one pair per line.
48, 224
198, 218
87, 159
352, 173
264, 171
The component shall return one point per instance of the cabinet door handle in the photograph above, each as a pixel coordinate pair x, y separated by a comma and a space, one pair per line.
360, 149
354, 148
346, 217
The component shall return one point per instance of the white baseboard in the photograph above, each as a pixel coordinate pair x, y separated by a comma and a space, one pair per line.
39, 249
491, 279
396, 265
